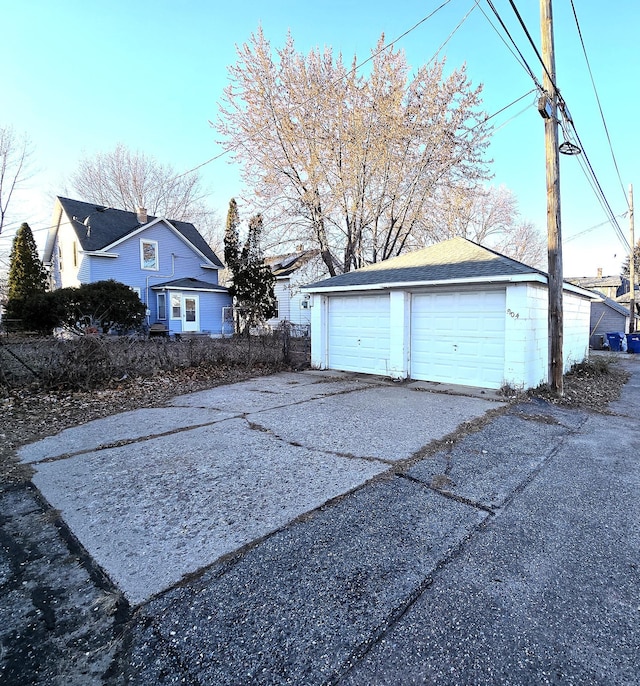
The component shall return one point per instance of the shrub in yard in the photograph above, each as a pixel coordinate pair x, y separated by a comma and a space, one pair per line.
40, 312
103, 305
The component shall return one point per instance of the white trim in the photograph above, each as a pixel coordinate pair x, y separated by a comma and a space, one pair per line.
160, 287
156, 255
170, 226
97, 253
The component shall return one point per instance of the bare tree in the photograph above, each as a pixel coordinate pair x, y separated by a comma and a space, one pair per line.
489, 216
14, 156
525, 243
350, 163
128, 180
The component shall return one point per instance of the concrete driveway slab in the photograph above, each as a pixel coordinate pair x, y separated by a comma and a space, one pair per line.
153, 511
127, 426
486, 467
269, 392
547, 593
304, 602
386, 422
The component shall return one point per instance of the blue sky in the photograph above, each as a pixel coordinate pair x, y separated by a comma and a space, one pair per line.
81, 76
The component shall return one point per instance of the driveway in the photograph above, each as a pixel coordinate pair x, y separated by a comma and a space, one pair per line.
157, 494
310, 529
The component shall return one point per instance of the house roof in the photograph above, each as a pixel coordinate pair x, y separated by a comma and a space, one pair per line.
98, 227
189, 283
453, 260
596, 282
285, 265
621, 309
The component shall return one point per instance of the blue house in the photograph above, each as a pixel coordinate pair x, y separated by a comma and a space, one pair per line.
167, 263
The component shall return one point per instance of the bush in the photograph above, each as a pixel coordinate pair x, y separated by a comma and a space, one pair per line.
40, 313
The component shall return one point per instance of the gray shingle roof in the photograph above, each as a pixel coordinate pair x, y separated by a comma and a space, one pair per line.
97, 227
595, 282
191, 283
452, 260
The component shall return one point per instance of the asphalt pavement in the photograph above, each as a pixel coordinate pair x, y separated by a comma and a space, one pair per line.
336, 529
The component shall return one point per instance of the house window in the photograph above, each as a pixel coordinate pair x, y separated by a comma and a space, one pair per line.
136, 291
75, 254
162, 306
149, 255
175, 306
60, 258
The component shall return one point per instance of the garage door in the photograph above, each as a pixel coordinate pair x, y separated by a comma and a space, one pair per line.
459, 338
358, 335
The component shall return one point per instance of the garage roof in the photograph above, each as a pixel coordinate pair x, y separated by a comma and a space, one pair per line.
457, 259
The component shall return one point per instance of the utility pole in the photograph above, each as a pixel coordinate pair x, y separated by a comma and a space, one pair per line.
632, 266
554, 233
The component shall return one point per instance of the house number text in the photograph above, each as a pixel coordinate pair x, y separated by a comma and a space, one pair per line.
513, 314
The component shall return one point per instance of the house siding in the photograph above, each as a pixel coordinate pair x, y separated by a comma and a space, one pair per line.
604, 320
526, 343
176, 259
70, 274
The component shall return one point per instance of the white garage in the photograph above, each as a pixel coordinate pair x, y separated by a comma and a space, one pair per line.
453, 313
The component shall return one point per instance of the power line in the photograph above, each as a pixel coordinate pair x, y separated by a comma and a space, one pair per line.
351, 71
584, 161
595, 90
522, 59
534, 46
304, 102
450, 36
591, 228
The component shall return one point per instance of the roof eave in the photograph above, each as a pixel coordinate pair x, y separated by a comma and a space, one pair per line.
388, 285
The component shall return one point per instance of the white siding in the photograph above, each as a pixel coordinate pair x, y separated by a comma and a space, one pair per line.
526, 341
485, 338
576, 316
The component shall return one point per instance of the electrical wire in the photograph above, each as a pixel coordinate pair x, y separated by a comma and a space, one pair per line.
534, 46
451, 35
591, 228
584, 161
522, 59
595, 90
351, 71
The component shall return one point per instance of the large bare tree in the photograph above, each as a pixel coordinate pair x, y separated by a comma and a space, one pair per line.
489, 216
346, 161
14, 157
127, 180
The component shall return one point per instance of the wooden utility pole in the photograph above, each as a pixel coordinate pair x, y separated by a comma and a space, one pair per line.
632, 266
554, 233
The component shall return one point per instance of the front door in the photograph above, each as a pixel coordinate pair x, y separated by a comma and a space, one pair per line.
190, 313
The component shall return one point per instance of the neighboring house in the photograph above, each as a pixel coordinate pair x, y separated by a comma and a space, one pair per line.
609, 286
292, 271
167, 263
454, 312
608, 316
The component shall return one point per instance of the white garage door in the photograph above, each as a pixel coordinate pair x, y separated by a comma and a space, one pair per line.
358, 337
459, 338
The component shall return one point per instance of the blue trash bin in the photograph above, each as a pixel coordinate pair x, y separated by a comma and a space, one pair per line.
633, 342
615, 341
